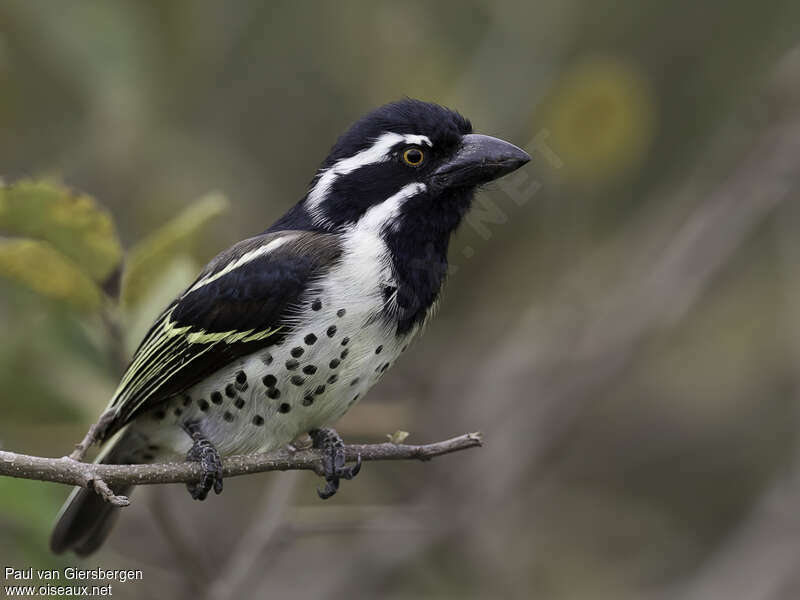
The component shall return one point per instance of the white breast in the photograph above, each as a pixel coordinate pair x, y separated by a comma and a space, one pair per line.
340, 347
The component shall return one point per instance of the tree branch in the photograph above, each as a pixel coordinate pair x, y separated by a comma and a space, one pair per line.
102, 478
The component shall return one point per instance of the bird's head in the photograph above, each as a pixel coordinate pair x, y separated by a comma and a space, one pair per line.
408, 164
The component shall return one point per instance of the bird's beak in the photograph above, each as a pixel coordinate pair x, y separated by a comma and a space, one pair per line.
480, 159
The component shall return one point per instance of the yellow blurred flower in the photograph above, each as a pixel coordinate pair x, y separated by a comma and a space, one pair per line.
600, 115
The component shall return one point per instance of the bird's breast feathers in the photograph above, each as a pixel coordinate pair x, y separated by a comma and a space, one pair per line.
337, 341
260, 294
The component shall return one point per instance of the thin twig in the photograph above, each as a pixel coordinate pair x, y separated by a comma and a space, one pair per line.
102, 478
92, 435
107, 494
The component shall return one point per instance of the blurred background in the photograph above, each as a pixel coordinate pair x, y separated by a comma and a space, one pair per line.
622, 320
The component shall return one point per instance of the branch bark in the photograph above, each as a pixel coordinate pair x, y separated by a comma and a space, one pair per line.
102, 478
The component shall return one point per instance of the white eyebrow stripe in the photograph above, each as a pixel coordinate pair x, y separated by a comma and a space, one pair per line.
381, 215
242, 260
417, 140
379, 151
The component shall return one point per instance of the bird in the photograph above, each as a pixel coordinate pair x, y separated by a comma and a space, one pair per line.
285, 331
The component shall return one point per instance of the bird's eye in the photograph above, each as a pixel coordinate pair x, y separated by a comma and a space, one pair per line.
413, 157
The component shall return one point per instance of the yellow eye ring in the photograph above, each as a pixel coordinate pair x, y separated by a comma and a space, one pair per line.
413, 157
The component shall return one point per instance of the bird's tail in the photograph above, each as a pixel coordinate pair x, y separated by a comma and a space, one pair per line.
86, 519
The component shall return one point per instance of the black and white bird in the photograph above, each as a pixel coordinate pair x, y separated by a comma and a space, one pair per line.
284, 332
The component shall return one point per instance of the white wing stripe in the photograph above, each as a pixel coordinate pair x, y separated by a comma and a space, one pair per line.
242, 260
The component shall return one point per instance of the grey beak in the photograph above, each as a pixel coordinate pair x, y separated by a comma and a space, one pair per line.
480, 159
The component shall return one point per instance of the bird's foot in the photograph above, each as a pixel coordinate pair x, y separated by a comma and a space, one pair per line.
204, 452
333, 460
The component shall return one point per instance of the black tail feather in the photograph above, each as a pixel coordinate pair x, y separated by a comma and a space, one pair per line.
86, 519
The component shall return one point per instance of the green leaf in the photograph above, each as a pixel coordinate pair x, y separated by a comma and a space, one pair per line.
73, 223
150, 257
45, 270
398, 437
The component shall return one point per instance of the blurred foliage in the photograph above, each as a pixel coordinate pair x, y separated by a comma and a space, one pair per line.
47, 271
73, 224
22, 506
75, 250
77, 246
154, 254
601, 116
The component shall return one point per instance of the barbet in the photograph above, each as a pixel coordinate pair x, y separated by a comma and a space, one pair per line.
284, 332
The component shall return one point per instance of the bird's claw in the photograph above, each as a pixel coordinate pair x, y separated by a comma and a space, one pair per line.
333, 461
204, 452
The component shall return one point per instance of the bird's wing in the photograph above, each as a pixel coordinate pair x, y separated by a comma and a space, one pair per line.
242, 301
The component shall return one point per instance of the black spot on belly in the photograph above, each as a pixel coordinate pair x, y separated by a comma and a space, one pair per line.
228, 416
239, 403
187, 400
178, 411
270, 380
378, 350
258, 420
241, 381
341, 312
384, 367
274, 393
216, 397
310, 339
345, 341
331, 331
333, 378
159, 414
354, 400
334, 363
297, 351
298, 380
320, 389
292, 364
316, 304
267, 359
355, 381
203, 404
308, 399
284, 408
309, 369
344, 354
230, 391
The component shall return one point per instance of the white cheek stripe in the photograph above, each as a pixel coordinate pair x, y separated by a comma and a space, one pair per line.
378, 152
383, 214
242, 260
